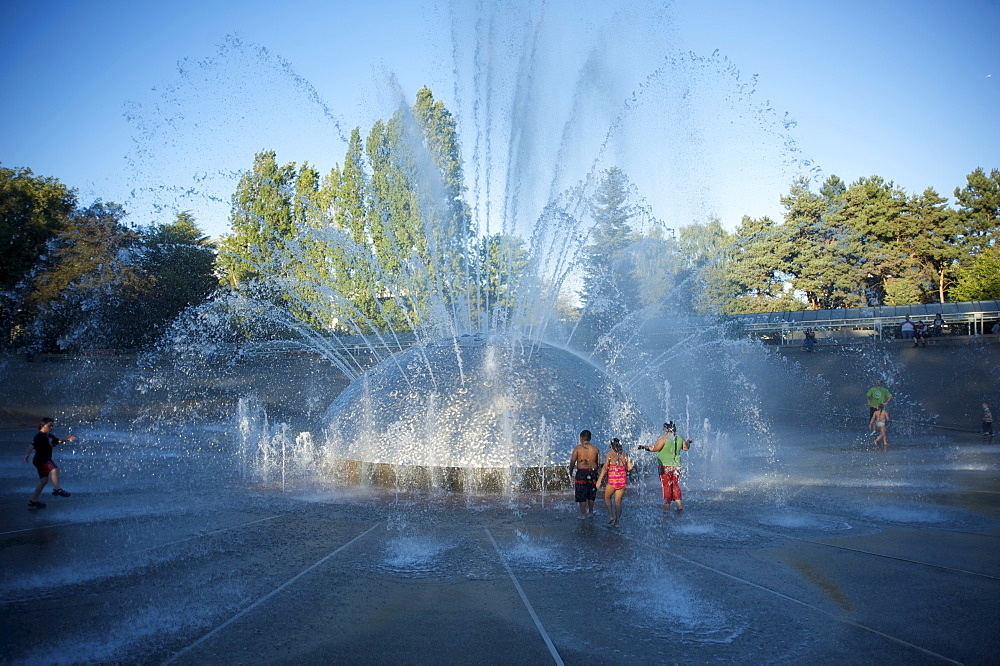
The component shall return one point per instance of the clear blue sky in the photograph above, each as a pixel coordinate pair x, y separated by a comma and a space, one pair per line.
160, 105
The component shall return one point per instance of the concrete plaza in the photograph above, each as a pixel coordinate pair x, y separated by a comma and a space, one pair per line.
841, 554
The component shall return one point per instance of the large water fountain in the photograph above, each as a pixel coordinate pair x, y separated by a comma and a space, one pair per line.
505, 387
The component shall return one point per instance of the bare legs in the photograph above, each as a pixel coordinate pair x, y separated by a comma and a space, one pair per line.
885, 442
615, 514
54, 475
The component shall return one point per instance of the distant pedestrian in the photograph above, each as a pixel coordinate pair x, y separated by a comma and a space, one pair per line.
616, 468
877, 395
879, 422
585, 461
906, 328
920, 335
938, 324
42, 445
810, 340
668, 449
987, 421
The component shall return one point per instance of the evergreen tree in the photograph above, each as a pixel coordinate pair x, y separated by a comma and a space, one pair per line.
979, 210
753, 283
181, 263
822, 257
610, 290
936, 244
876, 211
261, 221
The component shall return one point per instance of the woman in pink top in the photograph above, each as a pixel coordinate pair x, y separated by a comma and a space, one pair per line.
616, 468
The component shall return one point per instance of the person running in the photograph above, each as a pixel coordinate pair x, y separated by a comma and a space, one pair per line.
47, 469
586, 460
879, 422
877, 395
616, 468
668, 449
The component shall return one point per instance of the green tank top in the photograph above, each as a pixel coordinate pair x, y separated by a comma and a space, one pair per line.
670, 454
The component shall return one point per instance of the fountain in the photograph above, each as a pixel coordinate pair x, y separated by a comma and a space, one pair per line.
258, 489
463, 387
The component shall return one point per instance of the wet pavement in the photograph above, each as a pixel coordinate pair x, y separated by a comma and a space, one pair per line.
829, 553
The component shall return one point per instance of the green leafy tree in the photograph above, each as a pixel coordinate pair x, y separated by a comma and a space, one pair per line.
979, 278
451, 230
704, 250
753, 282
32, 210
502, 262
88, 287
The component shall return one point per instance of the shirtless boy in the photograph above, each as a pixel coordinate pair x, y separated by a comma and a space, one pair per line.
586, 460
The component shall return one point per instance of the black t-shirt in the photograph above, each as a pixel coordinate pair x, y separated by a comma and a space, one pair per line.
43, 443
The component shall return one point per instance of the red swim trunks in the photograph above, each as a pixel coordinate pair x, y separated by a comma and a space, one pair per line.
670, 477
45, 467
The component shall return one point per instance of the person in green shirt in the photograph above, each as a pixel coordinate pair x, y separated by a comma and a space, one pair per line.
668, 449
878, 396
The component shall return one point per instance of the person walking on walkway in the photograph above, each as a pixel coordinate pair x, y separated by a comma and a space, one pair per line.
877, 395
668, 449
987, 421
616, 468
42, 445
879, 422
585, 461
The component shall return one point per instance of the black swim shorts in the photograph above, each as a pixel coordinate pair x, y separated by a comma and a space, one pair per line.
586, 485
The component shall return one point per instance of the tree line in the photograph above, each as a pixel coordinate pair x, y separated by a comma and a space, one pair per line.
864, 244
331, 248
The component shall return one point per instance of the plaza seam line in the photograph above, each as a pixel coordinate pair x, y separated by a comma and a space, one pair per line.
267, 596
205, 534
524, 599
40, 527
839, 618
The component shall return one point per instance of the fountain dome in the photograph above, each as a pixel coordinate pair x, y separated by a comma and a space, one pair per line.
479, 403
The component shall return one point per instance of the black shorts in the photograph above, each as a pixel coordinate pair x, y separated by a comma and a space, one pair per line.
586, 485
44, 468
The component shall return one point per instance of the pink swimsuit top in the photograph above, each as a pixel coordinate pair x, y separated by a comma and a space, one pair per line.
617, 475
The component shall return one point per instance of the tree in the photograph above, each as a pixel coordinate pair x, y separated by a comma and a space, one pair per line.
822, 258
32, 210
979, 210
610, 290
876, 211
261, 220
88, 286
181, 263
979, 278
752, 280
704, 251
502, 261
440, 135
935, 246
